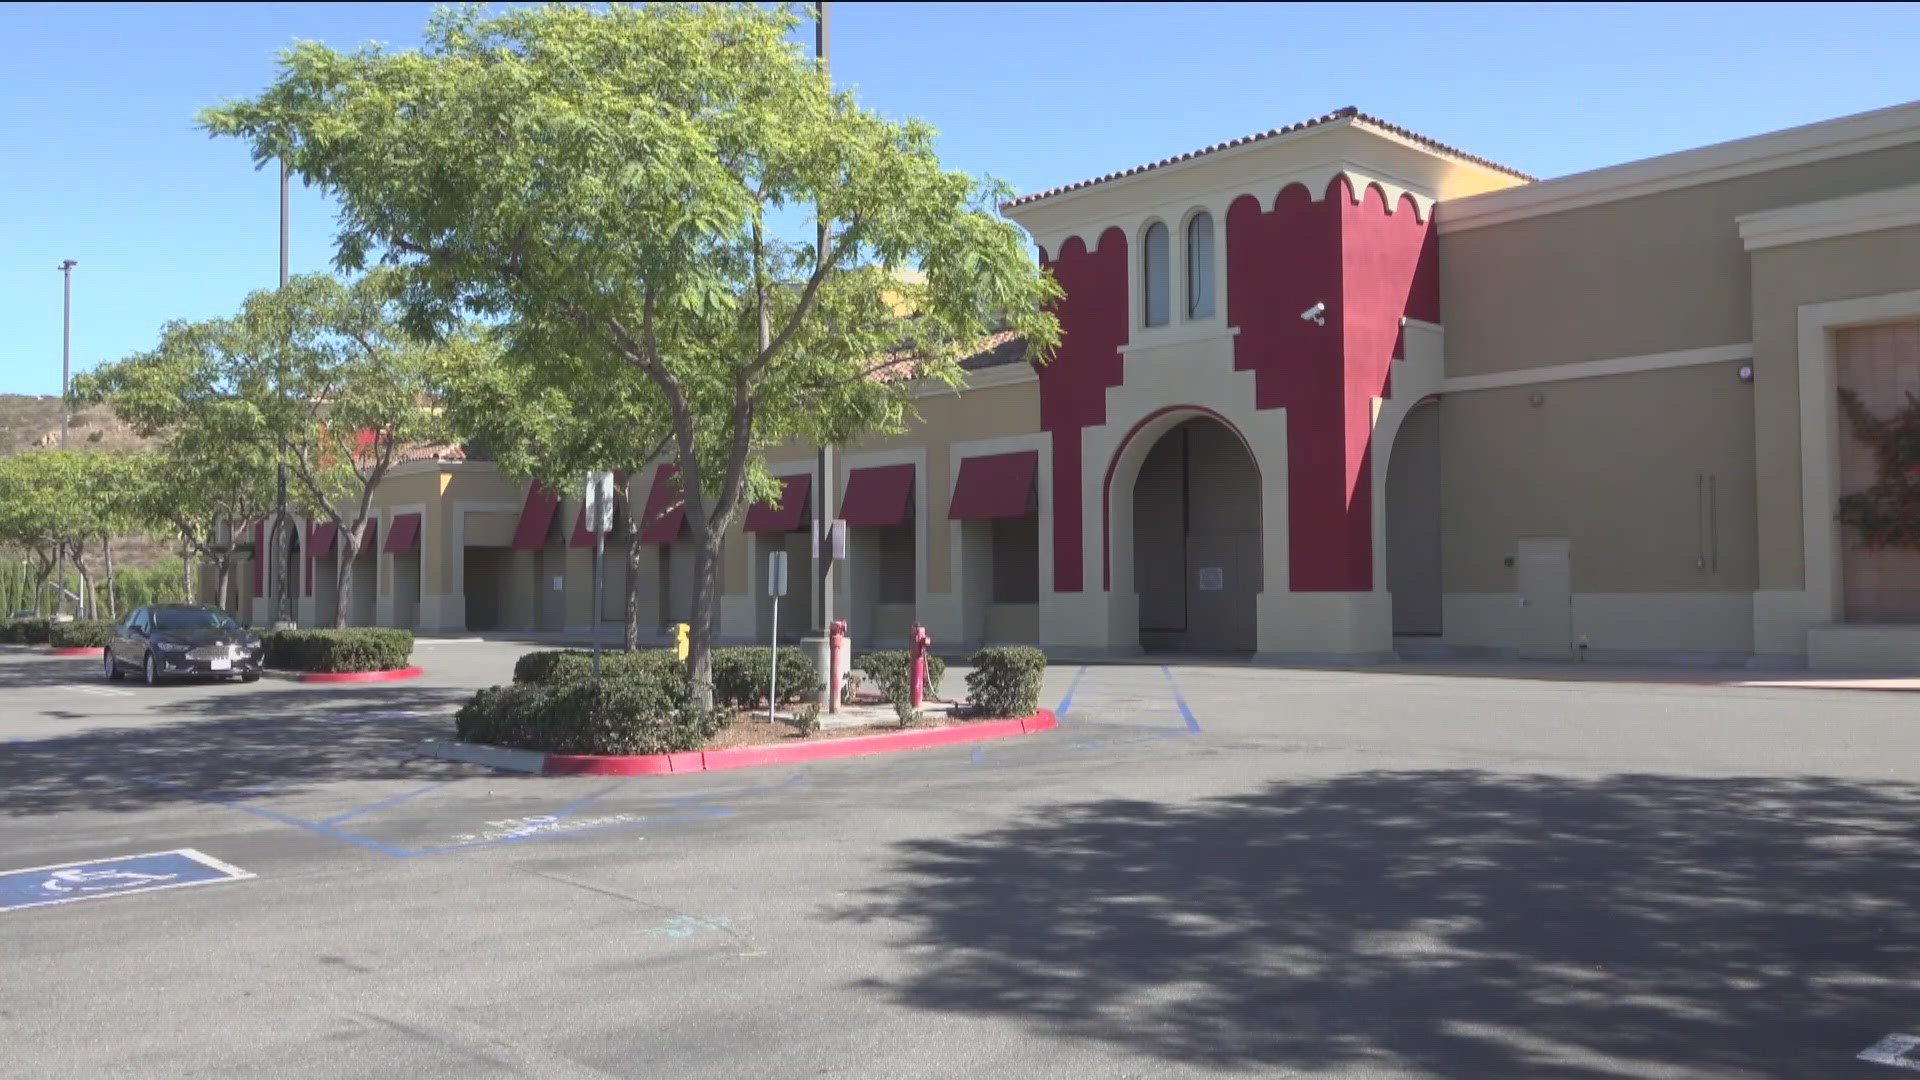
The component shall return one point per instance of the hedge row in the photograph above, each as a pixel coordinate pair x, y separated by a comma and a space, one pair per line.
88, 634
619, 715
33, 631
739, 675
1006, 681
365, 649
891, 672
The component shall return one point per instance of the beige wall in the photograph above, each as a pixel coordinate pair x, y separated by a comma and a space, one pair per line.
1610, 464
945, 418
1654, 274
1784, 278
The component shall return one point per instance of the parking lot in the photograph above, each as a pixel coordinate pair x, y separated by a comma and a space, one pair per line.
1209, 869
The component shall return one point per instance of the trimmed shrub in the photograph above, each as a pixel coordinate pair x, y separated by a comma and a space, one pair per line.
611, 716
889, 669
555, 666
740, 676
34, 631
339, 650
1006, 681
91, 634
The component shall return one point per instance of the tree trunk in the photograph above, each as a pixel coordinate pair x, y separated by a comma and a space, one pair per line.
113, 601
631, 638
345, 548
81, 606
706, 603
226, 577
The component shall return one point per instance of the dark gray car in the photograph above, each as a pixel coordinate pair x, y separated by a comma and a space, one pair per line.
175, 640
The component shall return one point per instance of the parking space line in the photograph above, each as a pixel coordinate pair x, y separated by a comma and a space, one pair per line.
1193, 726
1067, 702
383, 803
274, 815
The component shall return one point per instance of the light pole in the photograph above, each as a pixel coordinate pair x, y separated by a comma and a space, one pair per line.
282, 545
66, 345
820, 641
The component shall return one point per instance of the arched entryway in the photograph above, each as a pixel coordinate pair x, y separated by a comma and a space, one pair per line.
1413, 523
1197, 566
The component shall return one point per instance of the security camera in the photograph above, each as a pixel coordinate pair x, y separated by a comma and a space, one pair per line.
1317, 314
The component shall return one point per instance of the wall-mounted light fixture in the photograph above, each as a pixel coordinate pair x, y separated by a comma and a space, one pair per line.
1746, 373
1536, 399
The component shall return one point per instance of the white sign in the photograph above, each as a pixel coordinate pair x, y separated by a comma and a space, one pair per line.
777, 573
599, 500
559, 583
1212, 579
837, 528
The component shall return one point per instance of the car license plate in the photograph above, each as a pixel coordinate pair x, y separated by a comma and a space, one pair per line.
222, 664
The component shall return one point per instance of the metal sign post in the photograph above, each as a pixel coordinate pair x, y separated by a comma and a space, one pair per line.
776, 588
599, 514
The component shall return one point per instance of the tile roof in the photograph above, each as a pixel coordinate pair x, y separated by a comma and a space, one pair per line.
995, 350
1348, 113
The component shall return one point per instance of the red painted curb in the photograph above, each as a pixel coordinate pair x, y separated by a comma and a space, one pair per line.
76, 650
360, 676
741, 757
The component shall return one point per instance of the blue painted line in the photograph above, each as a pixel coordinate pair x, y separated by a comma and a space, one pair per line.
706, 814
1067, 702
382, 804
1193, 726
285, 819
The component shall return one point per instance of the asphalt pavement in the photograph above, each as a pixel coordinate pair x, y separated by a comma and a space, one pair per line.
1208, 870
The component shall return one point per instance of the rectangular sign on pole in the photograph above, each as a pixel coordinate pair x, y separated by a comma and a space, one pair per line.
777, 574
599, 502
840, 539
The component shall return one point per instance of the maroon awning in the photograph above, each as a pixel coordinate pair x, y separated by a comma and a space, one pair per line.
665, 511
536, 517
994, 486
404, 539
877, 495
369, 536
320, 541
789, 515
583, 536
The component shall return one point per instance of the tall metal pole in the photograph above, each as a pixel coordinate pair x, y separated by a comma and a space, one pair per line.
823, 498
66, 346
66, 411
282, 545
283, 223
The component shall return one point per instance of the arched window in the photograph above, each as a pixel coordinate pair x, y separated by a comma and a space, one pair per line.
1159, 276
1200, 266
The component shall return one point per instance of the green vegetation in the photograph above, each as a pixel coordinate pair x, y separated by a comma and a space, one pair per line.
339, 650
1006, 681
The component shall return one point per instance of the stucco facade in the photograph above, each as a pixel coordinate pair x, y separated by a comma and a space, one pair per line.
1334, 393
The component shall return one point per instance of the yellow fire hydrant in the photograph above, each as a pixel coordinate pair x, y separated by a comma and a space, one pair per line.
680, 639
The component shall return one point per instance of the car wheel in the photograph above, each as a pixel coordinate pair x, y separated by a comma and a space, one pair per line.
113, 669
251, 676
152, 674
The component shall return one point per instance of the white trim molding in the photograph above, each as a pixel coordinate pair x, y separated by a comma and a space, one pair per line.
1874, 211
1594, 369
1858, 134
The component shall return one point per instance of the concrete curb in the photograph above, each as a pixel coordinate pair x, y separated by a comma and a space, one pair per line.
344, 676
740, 757
76, 650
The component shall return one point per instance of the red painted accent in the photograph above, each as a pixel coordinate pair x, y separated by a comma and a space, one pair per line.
536, 518
1106, 484
76, 650
1073, 387
663, 523
745, 756
789, 515
994, 486
260, 559
1369, 269
405, 537
878, 495
360, 676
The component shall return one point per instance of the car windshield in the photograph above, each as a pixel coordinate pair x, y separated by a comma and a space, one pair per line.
189, 619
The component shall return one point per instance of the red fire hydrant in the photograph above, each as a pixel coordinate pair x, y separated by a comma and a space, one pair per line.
836, 648
919, 647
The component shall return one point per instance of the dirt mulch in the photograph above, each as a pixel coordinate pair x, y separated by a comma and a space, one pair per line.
754, 729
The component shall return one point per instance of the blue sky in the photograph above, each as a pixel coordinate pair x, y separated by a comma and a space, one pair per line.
100, 162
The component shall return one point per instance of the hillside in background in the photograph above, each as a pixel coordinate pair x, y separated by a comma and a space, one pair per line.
27, 423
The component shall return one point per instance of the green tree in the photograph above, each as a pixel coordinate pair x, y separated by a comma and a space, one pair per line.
319, 375
58, 502
608, 187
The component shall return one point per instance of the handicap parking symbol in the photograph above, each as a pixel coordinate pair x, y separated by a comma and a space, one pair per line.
64, 883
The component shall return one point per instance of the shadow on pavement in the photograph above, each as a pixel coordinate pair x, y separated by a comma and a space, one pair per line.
224, 744
1456, 923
